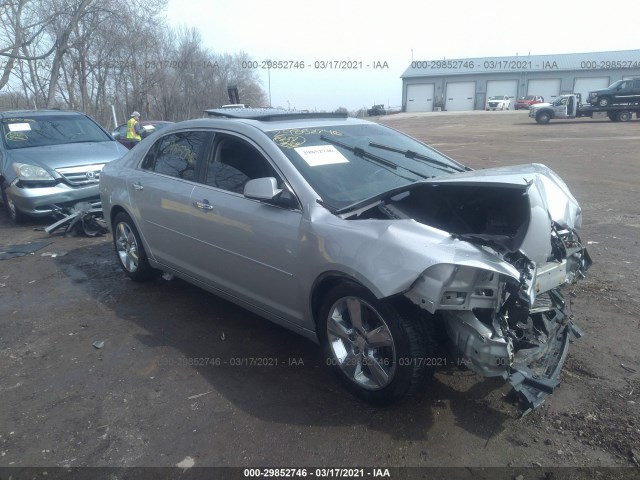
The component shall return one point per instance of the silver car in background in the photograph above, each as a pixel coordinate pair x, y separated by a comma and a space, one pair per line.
360, 238
51, 159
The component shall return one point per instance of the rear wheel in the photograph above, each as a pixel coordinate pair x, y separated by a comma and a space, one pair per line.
15, 215
377, 350
624, 116
131, 252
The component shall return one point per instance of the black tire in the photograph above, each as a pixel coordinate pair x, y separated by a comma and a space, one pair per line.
624, 116
604, 101
132, 256
543, 117
15, 215
386, 355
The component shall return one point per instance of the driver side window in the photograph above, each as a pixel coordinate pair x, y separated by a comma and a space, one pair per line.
234, 163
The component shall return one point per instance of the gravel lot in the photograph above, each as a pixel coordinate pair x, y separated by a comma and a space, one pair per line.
153, 396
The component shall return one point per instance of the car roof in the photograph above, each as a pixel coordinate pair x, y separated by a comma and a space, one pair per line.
39, 113
269, 119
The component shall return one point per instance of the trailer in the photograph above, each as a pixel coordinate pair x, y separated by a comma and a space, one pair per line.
570, 106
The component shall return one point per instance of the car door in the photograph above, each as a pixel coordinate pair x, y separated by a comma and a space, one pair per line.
160, 189
635, 94
247, 248
624, 92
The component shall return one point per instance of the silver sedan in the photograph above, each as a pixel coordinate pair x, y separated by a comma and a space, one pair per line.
361, 238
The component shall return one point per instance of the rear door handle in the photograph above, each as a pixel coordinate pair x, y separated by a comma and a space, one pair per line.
203, 205
138, 186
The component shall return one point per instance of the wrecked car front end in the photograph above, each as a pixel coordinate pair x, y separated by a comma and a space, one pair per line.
510, 321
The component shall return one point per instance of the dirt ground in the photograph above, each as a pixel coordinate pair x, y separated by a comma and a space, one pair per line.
153, 396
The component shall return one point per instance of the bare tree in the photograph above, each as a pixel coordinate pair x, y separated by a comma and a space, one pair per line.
21, 24
92, 54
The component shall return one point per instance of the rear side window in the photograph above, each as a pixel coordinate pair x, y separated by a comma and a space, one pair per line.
178, 154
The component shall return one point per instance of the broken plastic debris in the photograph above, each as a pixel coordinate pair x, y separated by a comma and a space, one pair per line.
591, 243
53, 254
192, 397
628, 369
188, 462
98, 344
167, 276
222, 337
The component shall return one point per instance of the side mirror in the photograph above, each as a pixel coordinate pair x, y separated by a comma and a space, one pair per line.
265, 188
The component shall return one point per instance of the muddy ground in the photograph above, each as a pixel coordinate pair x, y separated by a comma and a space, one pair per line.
153, 396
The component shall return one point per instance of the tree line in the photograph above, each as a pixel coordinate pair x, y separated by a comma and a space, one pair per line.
90, 55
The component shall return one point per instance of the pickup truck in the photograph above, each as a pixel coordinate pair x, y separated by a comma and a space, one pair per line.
622, 91
376, 110
570, 106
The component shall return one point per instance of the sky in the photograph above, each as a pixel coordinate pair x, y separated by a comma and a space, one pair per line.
379, 39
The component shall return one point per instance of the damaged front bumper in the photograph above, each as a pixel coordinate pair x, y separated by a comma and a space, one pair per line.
510, 325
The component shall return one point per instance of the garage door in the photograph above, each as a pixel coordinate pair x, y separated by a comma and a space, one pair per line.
503, 87
460, 96
585, 85
549, 89
420, 97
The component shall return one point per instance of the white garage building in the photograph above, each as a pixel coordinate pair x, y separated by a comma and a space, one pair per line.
465, 84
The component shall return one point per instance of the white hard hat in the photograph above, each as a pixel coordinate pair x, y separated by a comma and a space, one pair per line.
135, 114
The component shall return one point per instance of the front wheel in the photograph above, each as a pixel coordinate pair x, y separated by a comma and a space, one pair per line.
543, 117
604, 102
15, 215
378, 352
131, 252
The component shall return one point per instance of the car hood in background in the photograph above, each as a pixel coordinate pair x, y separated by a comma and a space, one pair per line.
68, 154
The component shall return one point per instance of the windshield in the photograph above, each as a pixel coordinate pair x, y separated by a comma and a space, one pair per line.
614, 84
528, 97
345, 164
39, 131
497, 97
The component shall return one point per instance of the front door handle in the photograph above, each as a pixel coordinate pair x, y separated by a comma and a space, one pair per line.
203, 205
138, 186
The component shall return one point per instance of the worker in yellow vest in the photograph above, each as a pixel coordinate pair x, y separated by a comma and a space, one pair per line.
134, 129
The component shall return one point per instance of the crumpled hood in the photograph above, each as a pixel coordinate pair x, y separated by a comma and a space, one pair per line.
69, 154
549, 197
558, 200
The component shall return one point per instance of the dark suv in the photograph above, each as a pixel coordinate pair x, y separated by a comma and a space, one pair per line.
622, 91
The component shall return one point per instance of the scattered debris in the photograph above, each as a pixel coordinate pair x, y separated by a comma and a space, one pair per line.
187, 463
81, 219
98, 344
12, 251
628, 369
53, 254
193, 397
222, 337
591, 242
167, 276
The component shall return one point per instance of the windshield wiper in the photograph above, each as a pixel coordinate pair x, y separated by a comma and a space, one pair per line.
418, 156
360, 152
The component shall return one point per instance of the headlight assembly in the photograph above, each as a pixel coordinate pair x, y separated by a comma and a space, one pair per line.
27, 172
